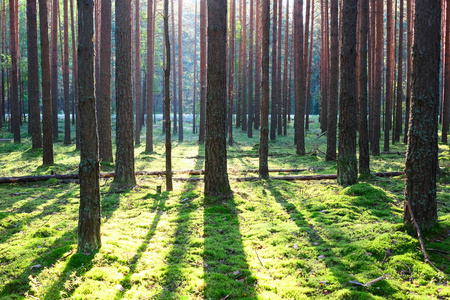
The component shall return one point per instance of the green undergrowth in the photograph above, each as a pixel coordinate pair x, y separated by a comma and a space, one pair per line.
270, 240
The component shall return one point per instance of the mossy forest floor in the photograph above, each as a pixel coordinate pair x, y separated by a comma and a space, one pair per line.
271, 240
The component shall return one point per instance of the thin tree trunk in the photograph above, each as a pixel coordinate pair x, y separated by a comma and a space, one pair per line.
180, 70
274, 94
286, 70
389, 80
308, 79
232, 48
137, 73
66, 79
250, 72
409, 40
15, 113
446, 98
299, 79
264, 132
333, 83
257, 64
89, 222
305, 60
398, 113
278, 74
54, 68
203, 54
33, 76
75, 75
378, 70
46, 86
105, 135
324, 60
150, 75
174, 76
169, 185
194, 93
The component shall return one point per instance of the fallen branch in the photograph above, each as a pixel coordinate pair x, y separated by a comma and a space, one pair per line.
367, 284
191, 172
259, 259
6, 140
438, 251
427, 259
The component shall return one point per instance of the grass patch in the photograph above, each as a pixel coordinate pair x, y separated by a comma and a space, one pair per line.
270, 240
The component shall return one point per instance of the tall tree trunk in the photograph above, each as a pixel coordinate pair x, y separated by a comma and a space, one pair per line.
75, 74
180, 70
274, 91
250, 72
232, 48
257, 64
308, 79
446, 98
54, 68
378, 70
390, 49
216, 176
286, 70
305, 60
278, 73
324, 60
33, 76
422, 154
46, 86
244, 66
174, 76
15, 113
299, 79
2, 74
150, 75
137, 74
363, 141
89, 222
334, 82
347, 168
66, 79
409, 39
169, 186
398, 113
264, 132
124, 96
203, 53
194, 93
105, 84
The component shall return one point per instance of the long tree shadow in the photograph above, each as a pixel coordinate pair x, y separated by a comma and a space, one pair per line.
225, 265
329, 244
183, 253
158, 208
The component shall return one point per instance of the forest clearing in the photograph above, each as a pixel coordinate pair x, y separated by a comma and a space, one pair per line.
271, 240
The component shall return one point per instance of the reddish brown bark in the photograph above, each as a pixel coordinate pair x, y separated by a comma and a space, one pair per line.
264, 131
14, 99
137, 71
33, 76
66, 80
257, 64
274, 89
398, 113
232, 48
150, 75
105, 144
203, 56
46, 86
180, 70
54, 68
389, 80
